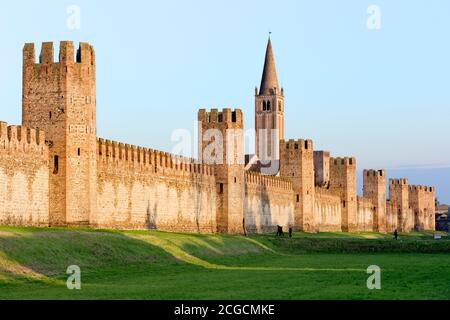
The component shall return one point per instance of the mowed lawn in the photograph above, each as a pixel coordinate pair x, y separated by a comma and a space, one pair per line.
157, 265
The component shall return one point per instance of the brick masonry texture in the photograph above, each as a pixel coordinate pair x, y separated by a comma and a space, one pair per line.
24, 180
55, 171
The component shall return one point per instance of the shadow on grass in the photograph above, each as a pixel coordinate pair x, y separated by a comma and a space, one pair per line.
43, 255
185, 252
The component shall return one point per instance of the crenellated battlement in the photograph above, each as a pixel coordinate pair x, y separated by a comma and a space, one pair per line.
258, 179
419, 188
22, 139
344, 162
401, 181
118, 152
299, 144
374, 173
225, 116
85, 54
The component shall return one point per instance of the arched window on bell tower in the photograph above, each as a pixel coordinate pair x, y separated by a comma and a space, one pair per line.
268, 105
264, 106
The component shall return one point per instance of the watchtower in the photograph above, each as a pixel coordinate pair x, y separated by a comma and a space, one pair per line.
297, 163
375, 190
221, 144
399, 198
60, 98
343, 184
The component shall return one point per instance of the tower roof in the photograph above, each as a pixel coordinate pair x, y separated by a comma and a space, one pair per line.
269, 79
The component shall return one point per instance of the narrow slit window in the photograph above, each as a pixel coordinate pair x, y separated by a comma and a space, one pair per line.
55, 164
79, 152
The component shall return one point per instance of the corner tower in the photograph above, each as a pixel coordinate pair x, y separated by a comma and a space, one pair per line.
60, 98
269, 113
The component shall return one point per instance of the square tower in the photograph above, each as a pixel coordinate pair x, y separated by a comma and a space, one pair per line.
297, 164
399, 199
422, 204
375, 190
343, 184
60, 98
221, 144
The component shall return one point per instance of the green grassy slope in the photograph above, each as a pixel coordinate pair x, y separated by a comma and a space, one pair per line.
155, 265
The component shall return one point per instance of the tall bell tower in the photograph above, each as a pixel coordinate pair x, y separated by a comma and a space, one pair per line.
269, 114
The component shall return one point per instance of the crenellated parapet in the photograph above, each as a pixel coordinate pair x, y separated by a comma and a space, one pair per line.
22, 140
399, 182
123, 155
299, 144
227, 117
85, 54
374, 173
270, 182
424, 189
343, 162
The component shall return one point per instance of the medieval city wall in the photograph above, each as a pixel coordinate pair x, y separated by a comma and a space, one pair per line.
268, 203
24, 177
391, 217
144, 189
327, 211
365, 215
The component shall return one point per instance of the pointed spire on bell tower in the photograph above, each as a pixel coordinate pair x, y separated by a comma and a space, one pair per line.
269, 81
269, 115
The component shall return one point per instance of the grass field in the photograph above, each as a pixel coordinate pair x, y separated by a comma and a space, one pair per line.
156, 265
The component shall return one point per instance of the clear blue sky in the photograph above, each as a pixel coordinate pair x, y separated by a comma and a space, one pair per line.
380, 95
